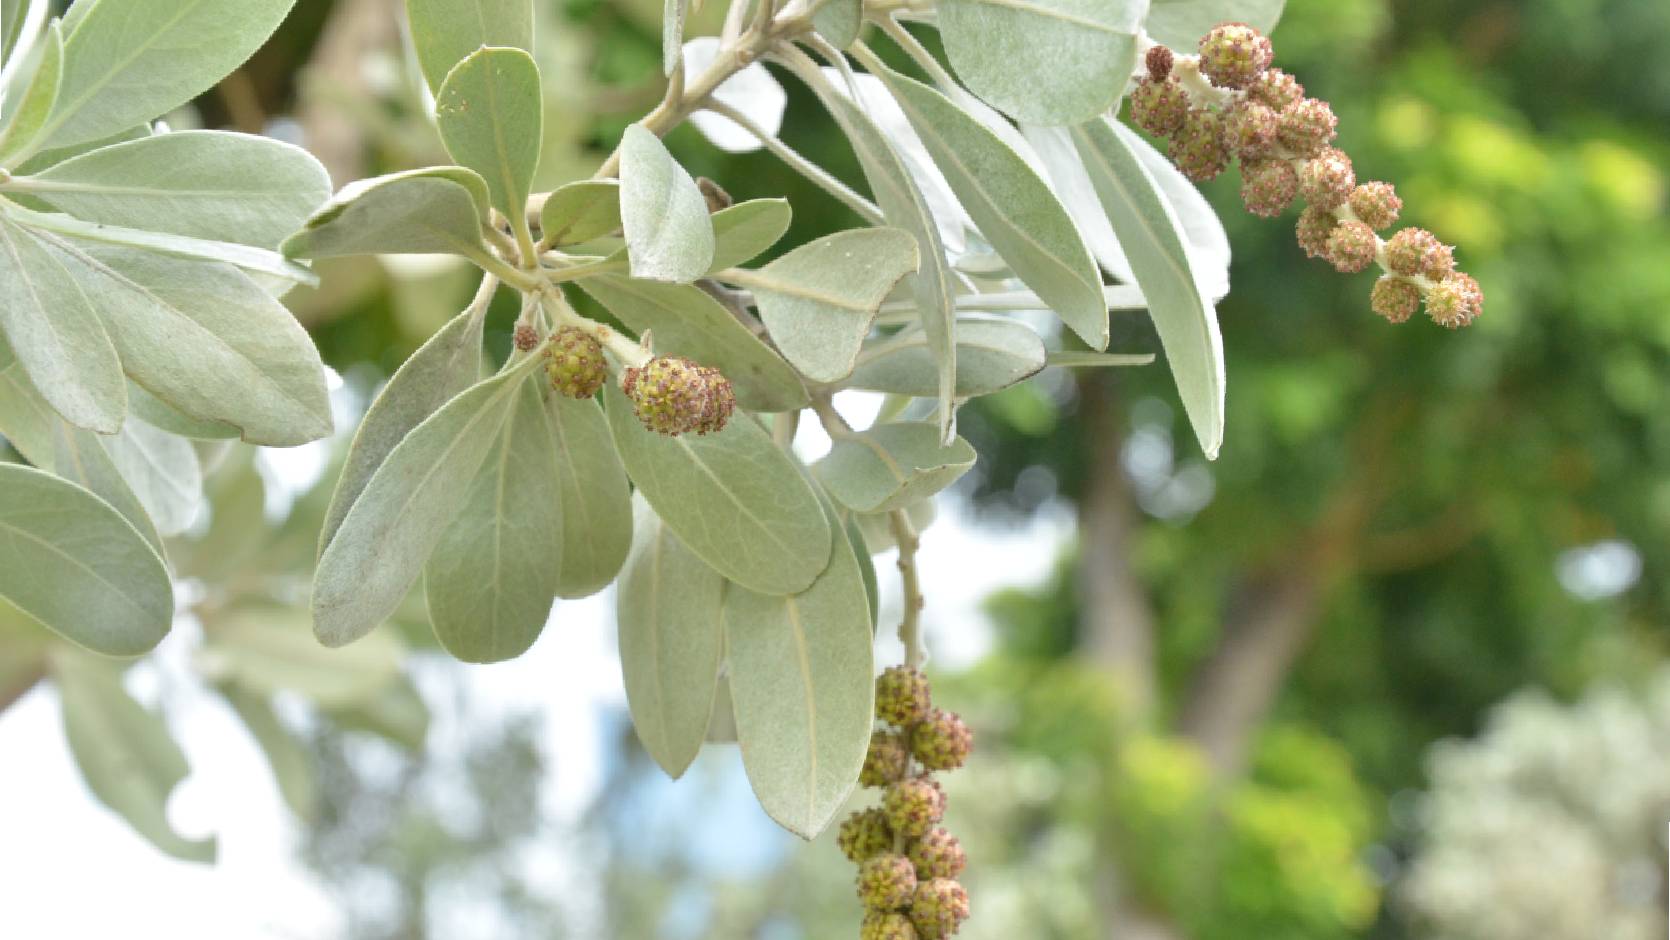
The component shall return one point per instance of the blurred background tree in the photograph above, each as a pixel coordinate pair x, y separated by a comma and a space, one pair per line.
1215, 721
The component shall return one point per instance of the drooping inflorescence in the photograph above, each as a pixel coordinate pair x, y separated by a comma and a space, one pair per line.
907, 861
1228, 104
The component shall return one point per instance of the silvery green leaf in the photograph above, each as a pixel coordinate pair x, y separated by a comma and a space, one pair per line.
1044, 61
491, 578
891, 466
669, 236
672, 33
802, 687
13, 20
1181, 23
208, 341
76, 454
161, 470
7, 357
1153, 239
491, 119
877, 103
752, 91
271, 268
443, 367
270, 649
902, 203
154, 411
381, 546
745, 230
436, 210
734, 498
57, 155
28, 113
124, 752
595, 500
55, 331
289, 760
671, 641
685, 321
1012, 206
1203, 232
1071, 182
866, 565
818, 301
445, 31
127, 61
74, 564
580, 212
877, 529
992, 354
839, 21
1073, 359
203, 184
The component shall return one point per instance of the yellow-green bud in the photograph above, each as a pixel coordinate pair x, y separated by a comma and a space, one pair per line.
864, 835
887, 925
575, 362
938, 908
914, 806
886, 760
1395, 298
886, 882
901, 695
938, 854
941, 740
1352, 247
1233, 55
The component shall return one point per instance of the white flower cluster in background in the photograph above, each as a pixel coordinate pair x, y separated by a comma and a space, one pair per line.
1552, 825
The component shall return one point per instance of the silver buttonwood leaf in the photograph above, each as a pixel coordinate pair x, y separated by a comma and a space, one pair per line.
891, 466
734, 498
669, 236
671, 641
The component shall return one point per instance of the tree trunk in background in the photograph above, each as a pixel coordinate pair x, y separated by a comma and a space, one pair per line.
1233, 691
1116, 625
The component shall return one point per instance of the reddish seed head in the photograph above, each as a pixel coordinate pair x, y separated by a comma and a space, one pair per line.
1395, 298
1268, 187
1352, 247
1159, 61
941, 740
1315, 227
938, 908
886, 760
938, 854
1306, 127
1159, 106
1233, 55
1416, 251
1276, 89
1377, 204
1327, 179
1250, 129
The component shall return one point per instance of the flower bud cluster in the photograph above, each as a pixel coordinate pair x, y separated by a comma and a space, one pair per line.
1228, 104
907, 862
673, 395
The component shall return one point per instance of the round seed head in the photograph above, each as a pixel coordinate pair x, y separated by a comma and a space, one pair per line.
525, 336
1232, 55
864, 835
1268, 187
886, 761
1352, 247
1159, 61
670, 394
901, 695
886, 882
914, 806
1306, 126
938, 854
575, 362
1327, 179
1415, 251
1250, 129
1377, 204
938, 908
1455, 301
1159, 106
1276, 89
942, 740
1199, 148
1315, 227
887, 925
1395, 298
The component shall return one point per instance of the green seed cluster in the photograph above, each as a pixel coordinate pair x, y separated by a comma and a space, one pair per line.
575, 362
1228, 104
673, 395
907, 862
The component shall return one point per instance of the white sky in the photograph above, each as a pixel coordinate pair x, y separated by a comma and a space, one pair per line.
71, 869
